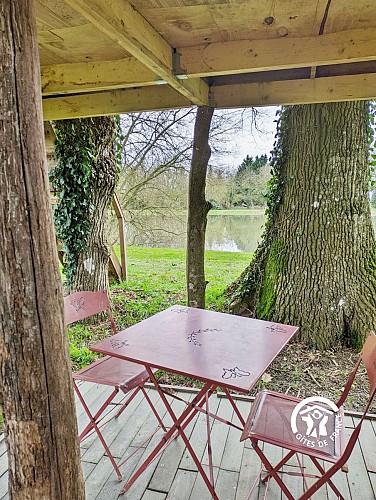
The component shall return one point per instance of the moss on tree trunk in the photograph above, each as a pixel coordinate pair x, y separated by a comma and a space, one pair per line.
316, 265
85, 178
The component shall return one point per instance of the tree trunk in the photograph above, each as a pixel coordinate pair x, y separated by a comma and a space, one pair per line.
36, 390
316, 266
92, 267
198, 209
86, 150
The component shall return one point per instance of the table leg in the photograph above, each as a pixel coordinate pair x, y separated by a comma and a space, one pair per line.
236, 409
179, 425
210, 455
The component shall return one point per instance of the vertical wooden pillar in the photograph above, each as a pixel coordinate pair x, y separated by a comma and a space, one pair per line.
36, 390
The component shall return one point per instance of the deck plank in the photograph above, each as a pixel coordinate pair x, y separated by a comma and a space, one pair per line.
274, 455
372, 477
294, 483
219, 434
119, 433
233, 451
249, 471
3, 463
110, 489
150, 423
359, 481
310, 468
366, 437
200, 490
198, 437
137, 490
153, 495
170, 459
226, 484
174, 476
182, 485
4, 484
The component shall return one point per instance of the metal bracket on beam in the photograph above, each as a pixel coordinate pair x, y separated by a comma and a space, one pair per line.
178, 72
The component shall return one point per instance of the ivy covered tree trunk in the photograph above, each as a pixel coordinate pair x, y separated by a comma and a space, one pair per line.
316, 265
198, 209
86, 150
36, 391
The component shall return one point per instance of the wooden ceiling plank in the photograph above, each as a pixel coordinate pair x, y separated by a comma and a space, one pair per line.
328, 89
113, 102
245, 56
124, 25
95, 76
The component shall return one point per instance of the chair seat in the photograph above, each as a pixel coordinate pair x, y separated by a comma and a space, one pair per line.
113, 372
270, 421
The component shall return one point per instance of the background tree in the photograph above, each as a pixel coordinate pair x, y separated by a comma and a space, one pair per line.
153, 179
316, 264
84, 179
248, 186
198, 209
157, 152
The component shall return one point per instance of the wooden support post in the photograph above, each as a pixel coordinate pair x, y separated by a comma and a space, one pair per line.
36, 390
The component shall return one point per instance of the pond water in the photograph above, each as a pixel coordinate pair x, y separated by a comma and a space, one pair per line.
230, 233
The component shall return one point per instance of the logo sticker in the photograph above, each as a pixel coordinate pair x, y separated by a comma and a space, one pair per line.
316, 425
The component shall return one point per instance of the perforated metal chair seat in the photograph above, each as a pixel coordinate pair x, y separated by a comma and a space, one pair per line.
270, 421
313, 427
114, 372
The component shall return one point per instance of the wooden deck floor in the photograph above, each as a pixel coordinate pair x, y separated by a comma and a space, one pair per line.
173, 476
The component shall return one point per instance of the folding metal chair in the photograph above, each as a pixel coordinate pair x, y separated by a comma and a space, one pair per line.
117, 373
314, 430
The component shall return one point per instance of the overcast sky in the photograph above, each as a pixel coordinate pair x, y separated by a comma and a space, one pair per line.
254, 142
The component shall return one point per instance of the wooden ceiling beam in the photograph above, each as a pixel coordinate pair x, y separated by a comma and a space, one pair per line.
113, 102
95, 76
245, 56
309, 91
125, 26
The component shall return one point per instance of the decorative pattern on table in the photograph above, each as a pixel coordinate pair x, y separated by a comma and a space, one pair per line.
192, 337
78, 303
234, 372
276, 328
117, 344
180, 311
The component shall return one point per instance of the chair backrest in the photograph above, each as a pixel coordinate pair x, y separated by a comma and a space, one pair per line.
368, 356
81, 305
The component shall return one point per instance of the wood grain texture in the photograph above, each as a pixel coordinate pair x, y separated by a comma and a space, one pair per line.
36, 393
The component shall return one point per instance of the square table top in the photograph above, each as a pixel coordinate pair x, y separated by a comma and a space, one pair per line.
229, 351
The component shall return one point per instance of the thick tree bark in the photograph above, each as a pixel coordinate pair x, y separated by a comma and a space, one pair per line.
36, 384
86, 152
198, 209
316, 266
92, 267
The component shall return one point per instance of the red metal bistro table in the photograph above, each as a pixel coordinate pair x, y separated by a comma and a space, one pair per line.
221, 350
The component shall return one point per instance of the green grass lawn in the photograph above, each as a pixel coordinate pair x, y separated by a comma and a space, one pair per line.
156, 280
